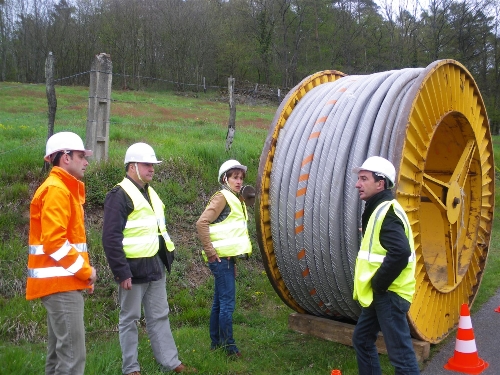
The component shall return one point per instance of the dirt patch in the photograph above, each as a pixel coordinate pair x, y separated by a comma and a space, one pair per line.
259, 123
197, 274
122, 109
80, 107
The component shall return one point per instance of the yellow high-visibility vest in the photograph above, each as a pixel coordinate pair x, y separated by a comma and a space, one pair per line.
371, 255
230, 236
144, 224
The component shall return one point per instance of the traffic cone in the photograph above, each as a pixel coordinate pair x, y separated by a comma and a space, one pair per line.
336, 372
466, 358
497, 309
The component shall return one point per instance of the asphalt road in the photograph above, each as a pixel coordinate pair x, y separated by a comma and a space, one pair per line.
486, 326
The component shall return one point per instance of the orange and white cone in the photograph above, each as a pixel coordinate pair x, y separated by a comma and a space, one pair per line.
466, 358
497, 309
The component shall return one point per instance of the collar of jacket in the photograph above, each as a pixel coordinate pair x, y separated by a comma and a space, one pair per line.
372, 204
75, 186
145, 188
238, 195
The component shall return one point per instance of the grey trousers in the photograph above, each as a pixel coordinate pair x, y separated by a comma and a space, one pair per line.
153, 296
66, 334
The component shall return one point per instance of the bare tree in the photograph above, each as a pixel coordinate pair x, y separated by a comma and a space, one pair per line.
435, 35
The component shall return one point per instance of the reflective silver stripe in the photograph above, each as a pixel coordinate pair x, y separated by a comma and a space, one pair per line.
77, 266
166, 236
44, 273
228, 242
81, 247
35, 250
225, 227
151, 222
377, 258
139, 240
403, 214
38, 249
377, 214
61, 252
366, 255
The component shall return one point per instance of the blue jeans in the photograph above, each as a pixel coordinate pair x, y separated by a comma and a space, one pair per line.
221, 317
387, 313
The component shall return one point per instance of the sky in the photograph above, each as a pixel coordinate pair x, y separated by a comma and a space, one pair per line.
407, 4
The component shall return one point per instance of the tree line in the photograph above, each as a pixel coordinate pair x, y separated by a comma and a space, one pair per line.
274, 42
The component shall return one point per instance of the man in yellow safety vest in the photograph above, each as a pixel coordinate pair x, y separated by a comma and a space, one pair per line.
138, 248
384, 276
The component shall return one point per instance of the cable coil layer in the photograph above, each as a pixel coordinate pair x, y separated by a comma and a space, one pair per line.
432, 124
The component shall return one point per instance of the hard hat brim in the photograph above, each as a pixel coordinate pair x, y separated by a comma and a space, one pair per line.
358, 169
239, 166
143, 162
47, 157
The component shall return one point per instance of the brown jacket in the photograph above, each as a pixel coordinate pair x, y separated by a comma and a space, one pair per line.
212, 212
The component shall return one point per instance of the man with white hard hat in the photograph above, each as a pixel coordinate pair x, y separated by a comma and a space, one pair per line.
384, 276
138, 248
58, 261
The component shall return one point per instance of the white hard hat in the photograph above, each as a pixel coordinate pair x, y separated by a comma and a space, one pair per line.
64, 141
230, 164
379, 165
141, 153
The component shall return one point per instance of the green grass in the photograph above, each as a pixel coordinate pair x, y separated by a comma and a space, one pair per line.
188, 133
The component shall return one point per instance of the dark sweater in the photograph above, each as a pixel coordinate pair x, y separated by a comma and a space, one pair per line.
392, 238
117, 207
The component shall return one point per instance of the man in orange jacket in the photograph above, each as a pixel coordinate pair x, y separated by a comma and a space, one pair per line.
58, 261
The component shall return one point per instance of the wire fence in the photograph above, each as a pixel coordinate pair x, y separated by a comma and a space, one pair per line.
255, 91
139, 82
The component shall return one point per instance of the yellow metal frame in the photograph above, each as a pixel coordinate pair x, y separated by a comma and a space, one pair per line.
446, 185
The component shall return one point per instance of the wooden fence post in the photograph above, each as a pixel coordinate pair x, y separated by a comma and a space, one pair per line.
232, 114
97, 137
51, 98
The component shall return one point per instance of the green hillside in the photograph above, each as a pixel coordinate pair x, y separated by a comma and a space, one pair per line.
188, 133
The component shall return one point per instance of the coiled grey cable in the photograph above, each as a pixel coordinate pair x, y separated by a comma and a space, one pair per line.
316, 211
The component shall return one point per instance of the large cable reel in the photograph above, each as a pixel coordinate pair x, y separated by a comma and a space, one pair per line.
432, 124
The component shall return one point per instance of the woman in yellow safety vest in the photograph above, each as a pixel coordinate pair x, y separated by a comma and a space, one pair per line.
222, 229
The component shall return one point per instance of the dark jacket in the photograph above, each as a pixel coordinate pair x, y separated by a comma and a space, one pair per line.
117, 207
392, 238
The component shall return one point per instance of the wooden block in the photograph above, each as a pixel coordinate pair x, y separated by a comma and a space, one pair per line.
340, 332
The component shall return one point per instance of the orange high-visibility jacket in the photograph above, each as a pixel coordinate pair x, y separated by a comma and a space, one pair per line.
58, 260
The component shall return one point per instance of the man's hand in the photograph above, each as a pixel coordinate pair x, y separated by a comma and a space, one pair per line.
91, 281
93, 276
213, 258
126, 284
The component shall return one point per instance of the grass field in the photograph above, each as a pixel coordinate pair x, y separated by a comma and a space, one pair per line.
188, 133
